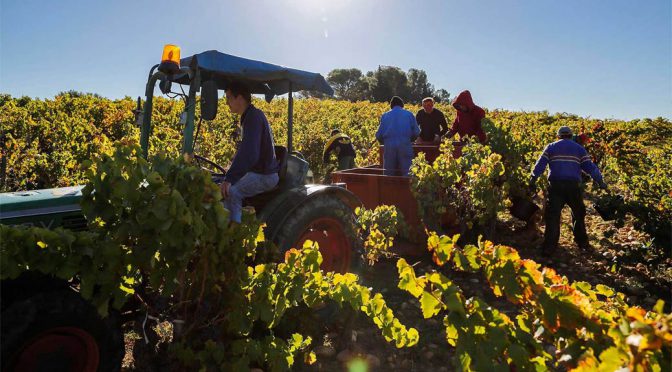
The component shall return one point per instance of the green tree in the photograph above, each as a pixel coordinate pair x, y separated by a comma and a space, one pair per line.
418, 86
385, 82
442, 95
348, 83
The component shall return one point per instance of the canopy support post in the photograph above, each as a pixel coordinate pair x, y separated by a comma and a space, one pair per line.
194, 87
146, 127
290, 117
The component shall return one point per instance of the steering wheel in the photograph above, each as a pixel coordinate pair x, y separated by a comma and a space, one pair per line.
208, 165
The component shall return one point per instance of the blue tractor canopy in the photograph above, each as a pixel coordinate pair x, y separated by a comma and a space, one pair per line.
261, 77
213, 71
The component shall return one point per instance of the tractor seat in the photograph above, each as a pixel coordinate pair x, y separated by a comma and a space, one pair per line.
262, 199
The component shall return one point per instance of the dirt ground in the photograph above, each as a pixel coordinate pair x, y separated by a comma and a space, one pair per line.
620, 258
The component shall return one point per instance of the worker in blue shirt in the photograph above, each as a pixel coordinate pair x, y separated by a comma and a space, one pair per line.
397, 131
254, 168
566, 159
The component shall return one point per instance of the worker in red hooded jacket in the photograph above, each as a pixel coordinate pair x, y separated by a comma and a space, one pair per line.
469, 116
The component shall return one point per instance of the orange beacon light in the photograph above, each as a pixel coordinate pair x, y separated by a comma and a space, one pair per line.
170, 60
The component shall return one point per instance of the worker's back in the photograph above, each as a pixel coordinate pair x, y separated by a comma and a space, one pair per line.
566, 159
397, 127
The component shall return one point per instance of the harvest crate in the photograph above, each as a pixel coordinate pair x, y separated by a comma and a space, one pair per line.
374, 188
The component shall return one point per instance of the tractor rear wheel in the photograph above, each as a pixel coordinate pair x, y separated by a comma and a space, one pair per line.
59, 331
330, 222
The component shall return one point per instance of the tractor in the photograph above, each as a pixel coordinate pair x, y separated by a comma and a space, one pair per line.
46, 324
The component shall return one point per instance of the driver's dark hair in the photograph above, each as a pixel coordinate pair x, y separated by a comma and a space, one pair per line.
238, 88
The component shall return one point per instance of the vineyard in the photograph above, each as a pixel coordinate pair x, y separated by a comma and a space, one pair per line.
481, 297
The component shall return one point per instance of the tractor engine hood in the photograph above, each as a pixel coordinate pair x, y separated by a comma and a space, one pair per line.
35, 203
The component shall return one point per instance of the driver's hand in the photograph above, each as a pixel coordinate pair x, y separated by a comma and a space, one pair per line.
225, 186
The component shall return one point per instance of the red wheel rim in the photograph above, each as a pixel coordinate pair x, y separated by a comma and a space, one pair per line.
335, 248
73, 345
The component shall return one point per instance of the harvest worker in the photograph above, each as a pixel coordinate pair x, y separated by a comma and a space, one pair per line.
397, 131
566, 159
254, 168
341, 145
432, 122
468, 119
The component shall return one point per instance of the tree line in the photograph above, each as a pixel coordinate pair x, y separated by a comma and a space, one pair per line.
380, 85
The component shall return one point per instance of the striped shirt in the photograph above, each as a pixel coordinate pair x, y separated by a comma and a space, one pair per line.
566, 159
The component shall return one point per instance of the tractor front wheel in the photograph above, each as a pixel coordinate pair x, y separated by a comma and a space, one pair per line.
328, 221
59, 331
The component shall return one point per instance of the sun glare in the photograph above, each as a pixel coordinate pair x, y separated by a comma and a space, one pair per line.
319, 8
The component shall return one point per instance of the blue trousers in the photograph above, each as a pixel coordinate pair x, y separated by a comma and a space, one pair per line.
397, 159
249, 185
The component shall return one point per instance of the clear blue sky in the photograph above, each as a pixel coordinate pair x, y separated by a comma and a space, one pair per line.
606, 58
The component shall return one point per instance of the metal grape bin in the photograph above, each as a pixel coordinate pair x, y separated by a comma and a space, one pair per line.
374, 188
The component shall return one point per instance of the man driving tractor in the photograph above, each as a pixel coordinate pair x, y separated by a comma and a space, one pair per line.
254, 169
